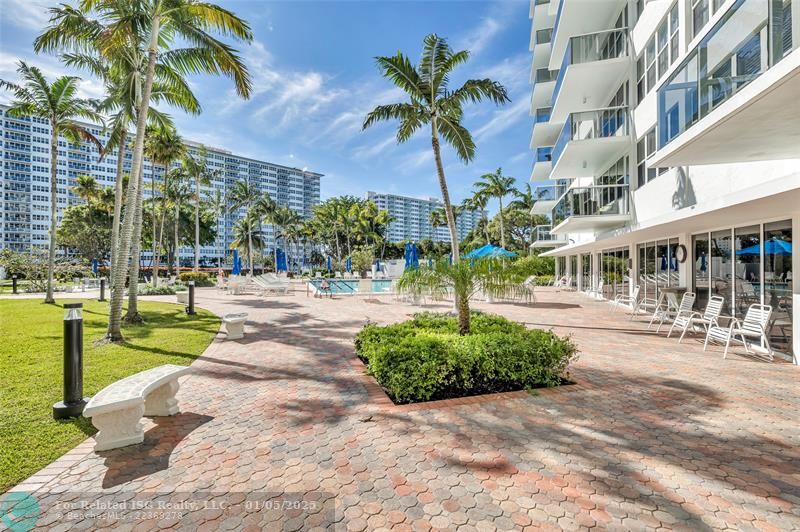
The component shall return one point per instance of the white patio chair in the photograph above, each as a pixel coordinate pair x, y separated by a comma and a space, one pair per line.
707, 319
631, 300
754, 326
597, 291
664, 312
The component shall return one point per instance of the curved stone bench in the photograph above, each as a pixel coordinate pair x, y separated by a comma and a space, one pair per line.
117, 409
234, 325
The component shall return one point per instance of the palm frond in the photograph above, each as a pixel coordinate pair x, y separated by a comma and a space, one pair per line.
392, 111
458, 137
399, 69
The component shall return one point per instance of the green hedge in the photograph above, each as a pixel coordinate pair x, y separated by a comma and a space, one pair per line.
425, 359
199, 278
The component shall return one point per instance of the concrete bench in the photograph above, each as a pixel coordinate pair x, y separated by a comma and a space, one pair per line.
182, 296
117, 409
234, 325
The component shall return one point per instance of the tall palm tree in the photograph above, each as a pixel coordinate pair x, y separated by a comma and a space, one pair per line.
86, 188
196, 169
179, 33
163, 146
58, 103
122, 80
437, 218
524, 202
283, 220
219, 205
478, 202
244, 194
246, 236
432, 103
177, 192
496, 185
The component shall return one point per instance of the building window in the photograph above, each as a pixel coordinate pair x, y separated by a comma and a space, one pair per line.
661, 51
645, 147
702, 10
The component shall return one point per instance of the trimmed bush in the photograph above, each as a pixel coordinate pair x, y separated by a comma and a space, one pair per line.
160, 290
199, 278
425, 359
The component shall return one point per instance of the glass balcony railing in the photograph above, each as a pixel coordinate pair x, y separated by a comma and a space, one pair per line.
544, 36
542, 115
750, 38
544, 154
595, 200
551, 192
600, 123
591, 47
541, 233
543, 75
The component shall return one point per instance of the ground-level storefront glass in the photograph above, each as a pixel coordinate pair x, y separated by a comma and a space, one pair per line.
614, 272
748, 265
658, 267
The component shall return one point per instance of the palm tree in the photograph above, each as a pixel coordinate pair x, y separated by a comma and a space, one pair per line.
86, 188
110, 27
479, 202
498, 186
122, 80
524, 202
463, 279
283, 220
244, 194
176, 193
431, 102
246, 236
219, 205
58, 103
437, 219
197, 169
163, 146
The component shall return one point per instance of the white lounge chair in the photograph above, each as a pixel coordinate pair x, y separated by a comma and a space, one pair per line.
664, 312
272, 286
707, 319
596, 292
337, 275
754, 326
631, 300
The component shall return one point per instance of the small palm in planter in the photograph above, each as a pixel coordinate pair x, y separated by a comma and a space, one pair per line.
463, 279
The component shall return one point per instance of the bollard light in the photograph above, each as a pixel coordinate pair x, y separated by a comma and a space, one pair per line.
102, 289
74, 401
190, 308
14, 284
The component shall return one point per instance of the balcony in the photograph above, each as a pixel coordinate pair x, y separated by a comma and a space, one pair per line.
547, 196
540, 14
543, 238
540, 45
541, 163
589, 140
734, 97
543, 82
592, 208
545, 132
591, 69
578, 17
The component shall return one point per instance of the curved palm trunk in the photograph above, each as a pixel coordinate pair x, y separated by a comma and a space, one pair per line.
114, 332
502, 226
461, 304
250, 244
133, 316
118, 197
51, 256
275, 248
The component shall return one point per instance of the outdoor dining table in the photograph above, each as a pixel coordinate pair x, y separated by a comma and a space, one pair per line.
672, 295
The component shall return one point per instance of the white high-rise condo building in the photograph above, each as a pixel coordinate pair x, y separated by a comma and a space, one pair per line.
411, 218
668, 133
25, 182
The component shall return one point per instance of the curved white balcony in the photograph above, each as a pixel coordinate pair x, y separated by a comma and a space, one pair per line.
592, 208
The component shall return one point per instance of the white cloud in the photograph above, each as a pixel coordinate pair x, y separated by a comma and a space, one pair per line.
29, 14
503, 119
368, 151
87, 87
513, 72
479, 38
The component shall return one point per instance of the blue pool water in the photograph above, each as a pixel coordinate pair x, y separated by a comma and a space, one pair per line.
350, 286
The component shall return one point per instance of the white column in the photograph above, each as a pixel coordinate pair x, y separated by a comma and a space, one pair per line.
796, 284
686, 270
595, 270
579, 273
632, 259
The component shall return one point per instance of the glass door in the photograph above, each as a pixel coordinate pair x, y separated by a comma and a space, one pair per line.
721, 268
778, 279
700, 260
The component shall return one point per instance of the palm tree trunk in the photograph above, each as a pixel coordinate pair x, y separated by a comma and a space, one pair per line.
502, 228
51, 256
133, 316
197, 225
275, 248
177, 239
114, 332
156, 241
463, 316
118, 192
250, 243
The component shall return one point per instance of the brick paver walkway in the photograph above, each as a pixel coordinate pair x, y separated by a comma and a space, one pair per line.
653, 435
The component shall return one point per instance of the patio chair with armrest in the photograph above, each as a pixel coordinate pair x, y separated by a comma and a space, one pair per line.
754, 325
709, 317
631, 300
664, 312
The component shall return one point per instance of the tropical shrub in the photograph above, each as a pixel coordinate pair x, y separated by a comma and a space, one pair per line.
426, 359
199, 278
160, 290
534, 265
363, 259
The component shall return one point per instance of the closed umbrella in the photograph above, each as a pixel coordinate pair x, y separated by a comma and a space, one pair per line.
94, 266
237, 269
329, 263
349, 265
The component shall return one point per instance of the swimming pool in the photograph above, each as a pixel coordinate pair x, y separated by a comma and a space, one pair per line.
350, 286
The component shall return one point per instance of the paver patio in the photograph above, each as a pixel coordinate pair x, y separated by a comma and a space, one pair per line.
655, 434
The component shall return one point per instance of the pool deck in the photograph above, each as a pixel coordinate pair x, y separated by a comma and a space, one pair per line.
654, 435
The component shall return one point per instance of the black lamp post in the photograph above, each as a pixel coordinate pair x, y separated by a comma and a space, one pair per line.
74, 401
102, 289
190, 308
14, 284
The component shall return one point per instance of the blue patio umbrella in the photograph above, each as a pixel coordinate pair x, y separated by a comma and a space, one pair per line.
237, 266
663, 263
329, 263
773, 246
348, 265
281, 256
414, 256
378, 265
95, 266
703, 265
407, 254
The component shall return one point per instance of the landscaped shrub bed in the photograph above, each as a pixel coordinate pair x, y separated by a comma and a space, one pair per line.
199, 278
425, 359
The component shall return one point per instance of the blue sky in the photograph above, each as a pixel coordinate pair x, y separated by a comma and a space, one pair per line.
315, 79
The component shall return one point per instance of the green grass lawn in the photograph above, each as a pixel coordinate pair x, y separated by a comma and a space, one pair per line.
31, 358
